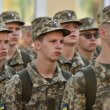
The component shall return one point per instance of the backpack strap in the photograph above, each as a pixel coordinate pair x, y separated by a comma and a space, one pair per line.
66, 74
26, 58
26, 85
91, 88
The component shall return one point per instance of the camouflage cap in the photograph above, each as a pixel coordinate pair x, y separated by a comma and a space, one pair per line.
11, 16
44, 25
88, 24
67, 16
104, 15
3, 27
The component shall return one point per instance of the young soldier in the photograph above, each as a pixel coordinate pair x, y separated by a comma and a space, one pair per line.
70, 59
46, 79
5, 71
25, 41
88, 38
80, 89
15, 58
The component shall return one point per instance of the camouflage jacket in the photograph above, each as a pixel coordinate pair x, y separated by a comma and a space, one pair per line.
5, 75
74, 95
45, 93
72, 66
17, 61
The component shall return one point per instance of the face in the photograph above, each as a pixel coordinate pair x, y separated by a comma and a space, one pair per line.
74, 36
88, 40
27, 38
14, 36
3, 45
50, 47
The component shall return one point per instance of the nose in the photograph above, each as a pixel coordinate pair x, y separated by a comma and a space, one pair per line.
3, 46
59, 45
93, 37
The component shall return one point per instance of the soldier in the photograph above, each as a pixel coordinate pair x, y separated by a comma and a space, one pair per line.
25, 42
89, 93
46, 79
88, 38
5, 71
15, 58
70, 59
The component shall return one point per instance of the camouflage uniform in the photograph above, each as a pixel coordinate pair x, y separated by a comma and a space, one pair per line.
16, 61
73, 66
67, 16
5, 71
74, 94
46, 92
89, 24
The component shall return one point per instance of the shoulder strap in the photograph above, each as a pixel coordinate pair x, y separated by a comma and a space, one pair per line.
91, 88
26, 85
66, 74
26, 58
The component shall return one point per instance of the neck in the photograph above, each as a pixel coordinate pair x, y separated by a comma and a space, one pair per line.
104, 56
46, 69
11, 51
68, 52
86, 54
1, 64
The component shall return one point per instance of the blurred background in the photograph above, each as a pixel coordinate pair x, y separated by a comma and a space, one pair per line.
29, 9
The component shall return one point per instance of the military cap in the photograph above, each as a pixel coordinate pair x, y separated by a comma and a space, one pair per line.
43, 25
104, 15
67, 16
3, 27
88, 24
11, 16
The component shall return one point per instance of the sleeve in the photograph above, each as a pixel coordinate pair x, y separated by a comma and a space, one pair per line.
74, 94
11, 96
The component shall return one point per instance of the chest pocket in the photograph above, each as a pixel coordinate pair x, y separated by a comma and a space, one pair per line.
49, 97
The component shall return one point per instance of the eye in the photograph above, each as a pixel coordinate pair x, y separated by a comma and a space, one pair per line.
53, 41
61, 41
6, 42
17, 28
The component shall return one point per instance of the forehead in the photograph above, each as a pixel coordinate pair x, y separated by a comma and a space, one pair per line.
13, 24
3, 35
70, 24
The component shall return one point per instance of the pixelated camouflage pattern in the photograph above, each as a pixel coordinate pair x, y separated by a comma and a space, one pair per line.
16, 61
66, 16
3, 27
106, 104
5, 75
72, 66
11, 16
44, 25
41, 91
88, 24
104, 15
74, 94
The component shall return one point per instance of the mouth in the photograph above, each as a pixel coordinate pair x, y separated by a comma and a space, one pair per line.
3, 54
57, 53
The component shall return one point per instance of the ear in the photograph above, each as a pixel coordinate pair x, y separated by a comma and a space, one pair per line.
37, 45
102, 33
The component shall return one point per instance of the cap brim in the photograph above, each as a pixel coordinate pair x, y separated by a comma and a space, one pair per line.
79, 23
6, 30
21, 23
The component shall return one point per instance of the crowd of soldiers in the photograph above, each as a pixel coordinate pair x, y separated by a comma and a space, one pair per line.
58, 63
